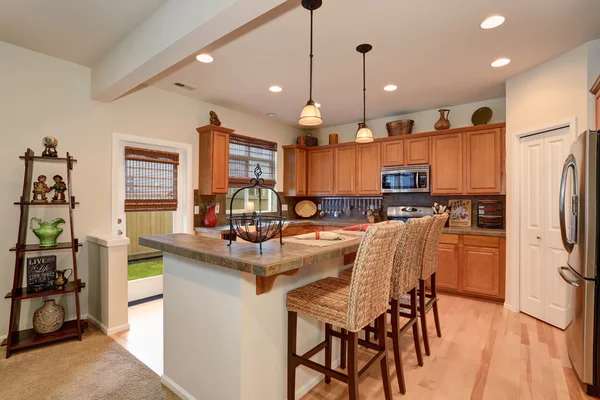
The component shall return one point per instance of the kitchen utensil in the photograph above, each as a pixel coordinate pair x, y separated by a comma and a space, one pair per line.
482, 116
306, 209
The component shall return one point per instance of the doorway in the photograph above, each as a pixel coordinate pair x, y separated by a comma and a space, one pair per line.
543, 294
152, 194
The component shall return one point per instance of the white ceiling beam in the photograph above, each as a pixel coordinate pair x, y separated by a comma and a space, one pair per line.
176, 31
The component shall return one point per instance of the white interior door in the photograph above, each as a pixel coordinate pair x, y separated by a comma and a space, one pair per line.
543, 295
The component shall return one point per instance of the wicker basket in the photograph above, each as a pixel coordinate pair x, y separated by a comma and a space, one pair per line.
400, 127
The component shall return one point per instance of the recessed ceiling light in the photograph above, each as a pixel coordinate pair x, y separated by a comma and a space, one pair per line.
205, 58
271, 114
390, 88
501, 62
492, 22
318, 105
275, 89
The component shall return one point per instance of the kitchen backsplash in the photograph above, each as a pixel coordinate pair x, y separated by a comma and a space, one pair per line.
413, 199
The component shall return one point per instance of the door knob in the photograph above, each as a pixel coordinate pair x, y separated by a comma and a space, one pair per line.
119, 221
119, 232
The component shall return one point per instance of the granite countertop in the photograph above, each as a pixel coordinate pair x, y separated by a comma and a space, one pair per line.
246, 257
467, 230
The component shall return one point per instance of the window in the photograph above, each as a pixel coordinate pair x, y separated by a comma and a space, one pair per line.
244, 154
150, 180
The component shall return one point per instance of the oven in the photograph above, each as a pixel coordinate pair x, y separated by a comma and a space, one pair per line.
409, 179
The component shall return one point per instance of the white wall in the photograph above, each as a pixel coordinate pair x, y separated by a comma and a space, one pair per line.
41, 95
460, 116
545, 96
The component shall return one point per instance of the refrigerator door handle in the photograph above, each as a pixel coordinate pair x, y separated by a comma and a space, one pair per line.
561, 271
568, 243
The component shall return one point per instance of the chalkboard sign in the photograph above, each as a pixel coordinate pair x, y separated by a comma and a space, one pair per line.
41, 273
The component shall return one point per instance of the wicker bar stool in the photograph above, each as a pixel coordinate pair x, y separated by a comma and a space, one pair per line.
429, 266
350, 307
405, 279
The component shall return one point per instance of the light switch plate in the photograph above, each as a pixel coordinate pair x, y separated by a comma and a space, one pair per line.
284, 207
217, 208
196, 210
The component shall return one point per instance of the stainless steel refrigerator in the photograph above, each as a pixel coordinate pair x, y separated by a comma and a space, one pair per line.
579, 222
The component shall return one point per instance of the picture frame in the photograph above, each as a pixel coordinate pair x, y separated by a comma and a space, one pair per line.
460, 212
41, 274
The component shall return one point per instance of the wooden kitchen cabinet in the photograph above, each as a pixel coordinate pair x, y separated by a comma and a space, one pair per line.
368, 169
320, 172
447, 164
416, 151
472, 266
483, 161
213, 160
448, 263
595, 90
344, 176
295, 170
392, 153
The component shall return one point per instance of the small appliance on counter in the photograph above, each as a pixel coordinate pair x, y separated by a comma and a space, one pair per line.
490, 214
409, 179
403, 213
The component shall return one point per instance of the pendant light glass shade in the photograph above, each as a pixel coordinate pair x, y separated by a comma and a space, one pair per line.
310, 115
363, 134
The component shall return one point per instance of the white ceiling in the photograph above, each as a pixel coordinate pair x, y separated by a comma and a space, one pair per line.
434, 51
80, 31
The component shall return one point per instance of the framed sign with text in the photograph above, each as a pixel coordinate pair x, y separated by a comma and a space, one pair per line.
41, 273
460, 212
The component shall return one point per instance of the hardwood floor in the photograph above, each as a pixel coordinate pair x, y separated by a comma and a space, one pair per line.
486, 352
145, 337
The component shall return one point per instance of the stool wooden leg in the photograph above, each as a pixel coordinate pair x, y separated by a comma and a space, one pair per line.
436, 315
291, 367
343, 349
415, 327
385, 373
375, 334
423, 312
353, 365
396, 343
328, 350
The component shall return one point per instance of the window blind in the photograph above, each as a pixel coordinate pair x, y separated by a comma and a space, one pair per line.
150, 180
244, 153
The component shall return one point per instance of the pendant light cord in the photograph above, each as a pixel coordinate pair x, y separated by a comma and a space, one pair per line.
364, 90
311, 55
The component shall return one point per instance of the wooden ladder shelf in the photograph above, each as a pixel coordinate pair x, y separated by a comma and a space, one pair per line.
20, 339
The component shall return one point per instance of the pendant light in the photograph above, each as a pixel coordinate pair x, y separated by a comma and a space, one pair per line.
310, 114
364, 134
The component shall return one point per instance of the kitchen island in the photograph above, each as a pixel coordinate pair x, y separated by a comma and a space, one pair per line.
224, 332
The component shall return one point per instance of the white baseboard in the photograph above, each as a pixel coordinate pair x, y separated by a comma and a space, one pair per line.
105, 329
3, 337
510, 308
178, 390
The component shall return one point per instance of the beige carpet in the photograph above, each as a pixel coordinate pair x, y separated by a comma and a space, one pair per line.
95, 368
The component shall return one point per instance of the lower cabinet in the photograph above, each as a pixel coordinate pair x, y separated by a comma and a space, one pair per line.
472, 266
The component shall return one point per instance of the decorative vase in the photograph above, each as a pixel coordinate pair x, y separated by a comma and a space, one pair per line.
210, 219
61, 279
47, 232
443, 122
49, 317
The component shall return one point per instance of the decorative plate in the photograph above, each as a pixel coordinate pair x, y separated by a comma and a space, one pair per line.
306, 209
482, 116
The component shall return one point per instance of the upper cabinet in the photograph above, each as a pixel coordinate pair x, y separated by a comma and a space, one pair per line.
595, 90
295, 166
344, 159
368, 169
483, 161
392, 153
416, 151
213, 160
447, 164
320, 172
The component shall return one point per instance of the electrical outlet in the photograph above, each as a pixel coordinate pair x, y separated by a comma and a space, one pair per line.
196, 210
217, 208
284, 207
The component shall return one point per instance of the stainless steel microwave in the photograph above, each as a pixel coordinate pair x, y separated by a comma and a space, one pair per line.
409, 179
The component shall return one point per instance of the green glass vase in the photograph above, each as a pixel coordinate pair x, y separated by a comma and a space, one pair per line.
47, 232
